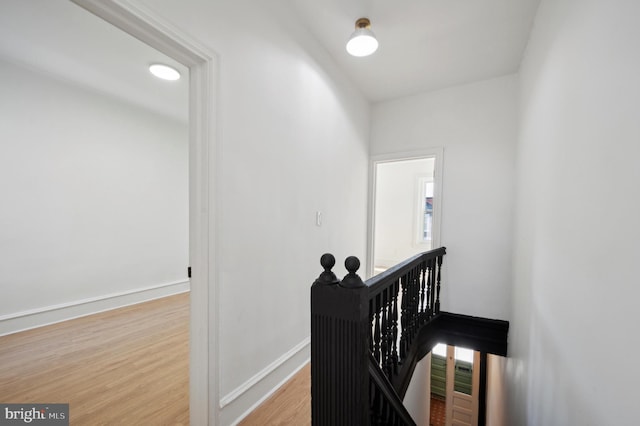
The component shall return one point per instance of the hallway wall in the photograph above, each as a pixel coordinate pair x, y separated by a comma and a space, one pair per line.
476, 125
577, 238
293, 140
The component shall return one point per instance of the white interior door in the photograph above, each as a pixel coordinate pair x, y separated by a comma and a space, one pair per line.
463, 373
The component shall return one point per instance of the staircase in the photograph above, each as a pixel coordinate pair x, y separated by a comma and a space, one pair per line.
367, 337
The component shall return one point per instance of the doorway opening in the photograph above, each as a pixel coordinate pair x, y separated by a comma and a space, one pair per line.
202, 64
100, 170
405, 204
455, 386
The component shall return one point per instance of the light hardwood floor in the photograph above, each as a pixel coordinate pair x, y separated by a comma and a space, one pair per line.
290, 405
128, 366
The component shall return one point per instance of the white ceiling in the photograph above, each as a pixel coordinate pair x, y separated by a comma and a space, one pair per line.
69, 43
424, 44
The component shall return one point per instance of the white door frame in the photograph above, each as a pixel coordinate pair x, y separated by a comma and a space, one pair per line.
142, 24
437, 153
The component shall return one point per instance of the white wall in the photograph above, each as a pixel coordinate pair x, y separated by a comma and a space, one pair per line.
94, 197
476, 126
396, 210
417, 399
578, 236
293, 140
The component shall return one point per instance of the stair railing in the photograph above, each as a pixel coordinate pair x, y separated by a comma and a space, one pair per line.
362, 335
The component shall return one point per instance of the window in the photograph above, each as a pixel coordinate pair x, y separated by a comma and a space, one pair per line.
425, 211
427, 228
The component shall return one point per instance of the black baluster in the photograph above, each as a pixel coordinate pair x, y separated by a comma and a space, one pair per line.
407, 331
416, 275
422, 292
427, 273
438, 285
403, 318
412, 309
376, 336
389, 359
432, 268
389, 366
371, 324
414, 306
385, 331
394, 309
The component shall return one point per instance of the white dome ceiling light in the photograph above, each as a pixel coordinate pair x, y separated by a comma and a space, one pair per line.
362, 42
164, 72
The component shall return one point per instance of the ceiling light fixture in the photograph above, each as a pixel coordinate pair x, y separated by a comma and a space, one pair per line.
362, 42
164, 72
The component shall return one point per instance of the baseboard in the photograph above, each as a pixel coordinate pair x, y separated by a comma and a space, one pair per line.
386, 263
237, 404
33, 318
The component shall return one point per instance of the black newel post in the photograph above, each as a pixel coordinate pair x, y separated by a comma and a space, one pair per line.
340, 334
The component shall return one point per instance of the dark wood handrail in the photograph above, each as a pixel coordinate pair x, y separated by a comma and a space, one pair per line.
379, 282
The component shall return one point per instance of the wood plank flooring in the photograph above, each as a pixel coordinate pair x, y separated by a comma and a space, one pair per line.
128, 366
289, 405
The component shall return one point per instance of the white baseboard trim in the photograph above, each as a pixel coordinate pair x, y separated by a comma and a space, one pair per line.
34, 318
386, 263
237, 404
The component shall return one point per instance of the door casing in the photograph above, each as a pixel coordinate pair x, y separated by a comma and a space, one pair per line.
437, 153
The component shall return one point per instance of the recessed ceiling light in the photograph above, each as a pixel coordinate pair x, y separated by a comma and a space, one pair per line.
164, 72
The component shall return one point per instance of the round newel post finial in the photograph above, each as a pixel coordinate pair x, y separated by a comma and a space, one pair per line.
352, 280
327, 261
